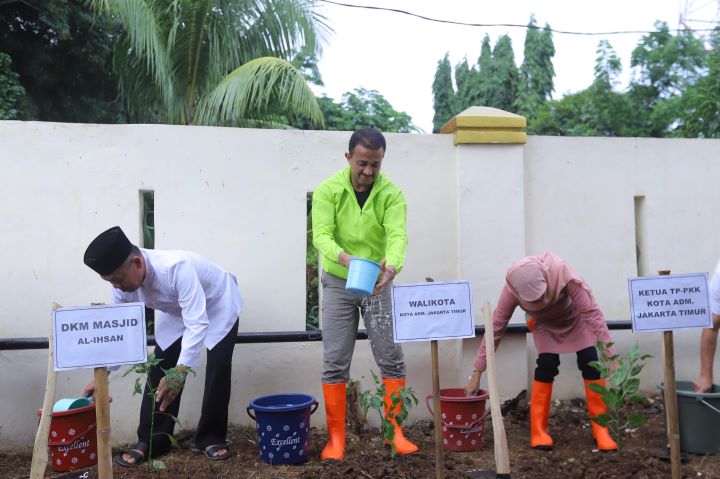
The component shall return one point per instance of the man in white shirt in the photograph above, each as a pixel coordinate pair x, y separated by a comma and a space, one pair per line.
195, 302
708, 339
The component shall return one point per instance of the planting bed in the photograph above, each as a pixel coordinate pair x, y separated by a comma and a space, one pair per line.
368, 458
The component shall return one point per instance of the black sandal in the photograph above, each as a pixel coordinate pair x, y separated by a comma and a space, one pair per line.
210, 451
137, 453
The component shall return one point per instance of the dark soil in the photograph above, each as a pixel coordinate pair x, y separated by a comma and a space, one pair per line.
367, 457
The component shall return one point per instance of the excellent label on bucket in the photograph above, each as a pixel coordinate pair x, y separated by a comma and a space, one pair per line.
666, 303
427, 311
98, 336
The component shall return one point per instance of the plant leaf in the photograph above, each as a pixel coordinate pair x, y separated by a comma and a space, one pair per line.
635, 420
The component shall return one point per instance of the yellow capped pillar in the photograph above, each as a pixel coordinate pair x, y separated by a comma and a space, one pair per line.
483, 124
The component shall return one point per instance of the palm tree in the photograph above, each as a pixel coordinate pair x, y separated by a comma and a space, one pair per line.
215, 62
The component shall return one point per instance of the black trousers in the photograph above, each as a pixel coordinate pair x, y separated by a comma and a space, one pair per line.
547, 365
213, 424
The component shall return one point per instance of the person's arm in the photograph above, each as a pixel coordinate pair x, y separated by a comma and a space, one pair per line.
501, 316
323, 227
708, 343
589, 313
394, 223
192, 302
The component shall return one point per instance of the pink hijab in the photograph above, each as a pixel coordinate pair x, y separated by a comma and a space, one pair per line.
538, 281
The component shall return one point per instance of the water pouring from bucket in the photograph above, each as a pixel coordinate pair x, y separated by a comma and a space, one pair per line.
362, 276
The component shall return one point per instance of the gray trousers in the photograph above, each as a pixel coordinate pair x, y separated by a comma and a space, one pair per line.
340, 318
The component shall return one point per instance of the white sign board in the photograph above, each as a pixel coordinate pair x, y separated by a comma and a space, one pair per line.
665, 303
425, 311
99, 336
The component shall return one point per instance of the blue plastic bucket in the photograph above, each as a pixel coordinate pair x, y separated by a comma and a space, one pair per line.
283, 425
362, 276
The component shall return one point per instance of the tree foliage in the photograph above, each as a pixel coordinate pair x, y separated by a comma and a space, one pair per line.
596, 111
701, 102
537, 71
664, 66
219, 62
502, 79
364, 108
10, 89
62, 56
443, 94
673, 91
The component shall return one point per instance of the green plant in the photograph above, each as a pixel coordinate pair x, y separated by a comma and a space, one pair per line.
174, 379
312, 275
401, 402
620, 390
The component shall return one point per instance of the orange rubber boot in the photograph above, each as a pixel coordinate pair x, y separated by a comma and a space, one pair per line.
402, 445
335, 404
539, 413
596, 406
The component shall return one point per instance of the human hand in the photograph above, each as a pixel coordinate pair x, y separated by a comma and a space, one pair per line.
170, 386
387, 274
344, 259
702, 384
613, 365
89, 390
473, 384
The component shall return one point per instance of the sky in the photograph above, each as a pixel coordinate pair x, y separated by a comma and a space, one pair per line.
397, 54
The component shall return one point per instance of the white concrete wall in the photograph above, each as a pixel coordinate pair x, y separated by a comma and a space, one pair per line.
237, 196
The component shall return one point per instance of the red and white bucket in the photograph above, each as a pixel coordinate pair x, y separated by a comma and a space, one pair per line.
72, 440
463, 419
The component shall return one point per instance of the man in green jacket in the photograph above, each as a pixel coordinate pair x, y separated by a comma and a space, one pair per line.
359, 213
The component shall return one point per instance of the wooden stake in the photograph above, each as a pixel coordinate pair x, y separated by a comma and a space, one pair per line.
670, 396
502, 459
40, 451
439, 455
102, 415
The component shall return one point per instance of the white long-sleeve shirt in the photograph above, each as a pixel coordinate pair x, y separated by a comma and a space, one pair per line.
192, 298
715, 290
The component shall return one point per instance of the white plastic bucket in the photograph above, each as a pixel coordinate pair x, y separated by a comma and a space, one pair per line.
362, 276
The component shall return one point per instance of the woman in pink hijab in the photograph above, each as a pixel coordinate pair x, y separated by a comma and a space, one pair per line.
563, 318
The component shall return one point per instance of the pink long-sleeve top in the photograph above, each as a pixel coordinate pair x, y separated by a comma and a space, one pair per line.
571, 324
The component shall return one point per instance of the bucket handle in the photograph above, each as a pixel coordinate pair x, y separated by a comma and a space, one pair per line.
709, 405
313, 406
463, 426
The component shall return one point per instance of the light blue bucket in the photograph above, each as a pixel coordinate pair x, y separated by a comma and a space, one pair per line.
362, 276
66, 404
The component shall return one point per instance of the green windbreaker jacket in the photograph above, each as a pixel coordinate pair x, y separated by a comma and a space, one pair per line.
376, 232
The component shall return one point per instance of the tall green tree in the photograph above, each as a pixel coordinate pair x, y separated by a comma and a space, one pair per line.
536, 72
215, 62
484, 68
503, 78
62, 56
443, 94
664, 66
702, 100
467, 80
598, 110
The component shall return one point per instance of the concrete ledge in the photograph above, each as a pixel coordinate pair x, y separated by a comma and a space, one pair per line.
482, 124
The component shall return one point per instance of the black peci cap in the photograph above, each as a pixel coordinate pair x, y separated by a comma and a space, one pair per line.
108, 251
